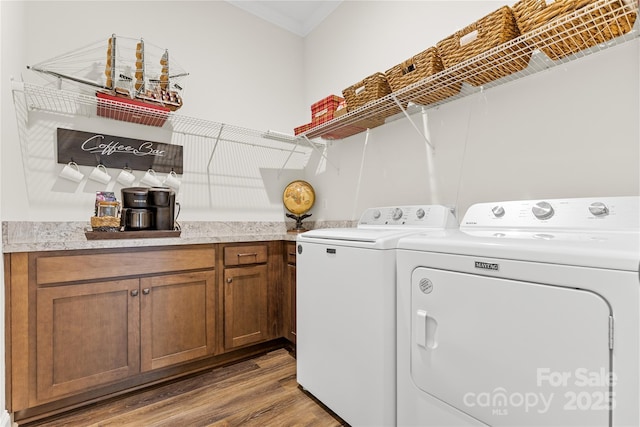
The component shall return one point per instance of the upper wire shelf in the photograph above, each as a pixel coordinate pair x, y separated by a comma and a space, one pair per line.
58, 101
69, 103
546, 37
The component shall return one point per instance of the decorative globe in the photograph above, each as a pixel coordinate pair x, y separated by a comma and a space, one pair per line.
298, 198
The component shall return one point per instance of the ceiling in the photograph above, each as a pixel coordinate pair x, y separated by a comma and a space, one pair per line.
296, 16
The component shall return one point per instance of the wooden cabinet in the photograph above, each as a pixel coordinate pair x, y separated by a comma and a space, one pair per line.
97, 333
80, 320
87, 335
289, 293
245, 306
177, 316
246, 295
85, 325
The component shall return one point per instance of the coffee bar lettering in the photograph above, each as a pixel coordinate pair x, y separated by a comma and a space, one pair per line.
93, 149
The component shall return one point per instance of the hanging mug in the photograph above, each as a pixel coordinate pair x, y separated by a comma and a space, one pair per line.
172, 181
100, 174
71, 172
151, 179
126, 177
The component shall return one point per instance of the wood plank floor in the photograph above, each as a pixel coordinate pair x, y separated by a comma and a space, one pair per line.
258, 392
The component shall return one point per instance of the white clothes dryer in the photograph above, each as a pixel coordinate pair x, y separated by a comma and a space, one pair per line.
528, 315
345, 304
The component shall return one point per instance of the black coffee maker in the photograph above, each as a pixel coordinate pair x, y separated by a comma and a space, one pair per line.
145, 208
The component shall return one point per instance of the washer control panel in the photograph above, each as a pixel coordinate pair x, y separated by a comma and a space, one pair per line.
436, 216
606, 213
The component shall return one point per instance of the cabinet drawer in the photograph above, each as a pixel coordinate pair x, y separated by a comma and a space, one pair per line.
241, 255
291, 253
58, 268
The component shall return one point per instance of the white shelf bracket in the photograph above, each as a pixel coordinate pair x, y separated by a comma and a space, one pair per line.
213, 152
320, 152
215, 146
364, 153
404, 111
289, 156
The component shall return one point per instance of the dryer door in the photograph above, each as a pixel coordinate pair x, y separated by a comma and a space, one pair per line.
511, 353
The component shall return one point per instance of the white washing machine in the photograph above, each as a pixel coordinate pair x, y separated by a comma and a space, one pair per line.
529, 315
346, 333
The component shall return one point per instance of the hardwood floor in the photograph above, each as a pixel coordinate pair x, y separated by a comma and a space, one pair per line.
258, 392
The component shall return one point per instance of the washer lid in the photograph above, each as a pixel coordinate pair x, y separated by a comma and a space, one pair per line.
380, 228
380, 238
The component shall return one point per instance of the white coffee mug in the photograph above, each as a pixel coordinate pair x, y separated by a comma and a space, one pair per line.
100, 174
71, 172
151, 179
172, 180
126, 177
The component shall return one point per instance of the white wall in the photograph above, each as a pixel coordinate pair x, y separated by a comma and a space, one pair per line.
243, 71
247, 72
567, 132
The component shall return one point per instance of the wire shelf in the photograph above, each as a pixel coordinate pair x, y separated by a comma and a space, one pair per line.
70, 104
548, 36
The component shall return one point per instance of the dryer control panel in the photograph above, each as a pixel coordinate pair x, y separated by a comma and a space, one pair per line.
422, 216
605, 213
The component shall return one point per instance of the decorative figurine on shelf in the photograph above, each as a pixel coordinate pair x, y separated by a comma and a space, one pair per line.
298, 198
133, 80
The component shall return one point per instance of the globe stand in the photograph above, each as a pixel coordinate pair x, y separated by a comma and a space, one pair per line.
299, 228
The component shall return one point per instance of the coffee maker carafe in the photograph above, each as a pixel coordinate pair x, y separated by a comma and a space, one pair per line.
145, 208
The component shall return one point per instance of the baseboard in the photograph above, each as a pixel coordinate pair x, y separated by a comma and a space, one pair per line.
5, 419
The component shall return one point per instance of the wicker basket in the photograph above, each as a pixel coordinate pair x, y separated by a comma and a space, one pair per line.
493, 30
105, 223
368, 90
573, 25
419, 67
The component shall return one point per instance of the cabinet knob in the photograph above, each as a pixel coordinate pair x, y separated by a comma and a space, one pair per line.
146, 291
134, 293
229, 280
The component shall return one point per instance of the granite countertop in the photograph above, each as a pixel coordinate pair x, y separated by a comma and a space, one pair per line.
18, 236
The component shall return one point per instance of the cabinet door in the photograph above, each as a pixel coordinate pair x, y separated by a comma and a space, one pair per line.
289, 306
87, 335
289, 293
245, 306
177, 315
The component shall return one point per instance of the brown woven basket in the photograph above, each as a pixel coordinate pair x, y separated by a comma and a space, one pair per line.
579, 24
105, 223
493, 30
368, 90
419, 67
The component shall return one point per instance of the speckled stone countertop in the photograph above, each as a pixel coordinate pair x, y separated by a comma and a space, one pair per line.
20, 236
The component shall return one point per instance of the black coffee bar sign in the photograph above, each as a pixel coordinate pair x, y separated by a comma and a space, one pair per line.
92, 149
